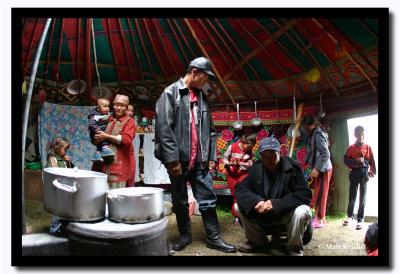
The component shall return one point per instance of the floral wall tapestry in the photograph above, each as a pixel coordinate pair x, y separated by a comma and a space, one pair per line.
70, 122
227, 136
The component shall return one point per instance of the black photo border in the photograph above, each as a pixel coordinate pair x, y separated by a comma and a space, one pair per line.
321, 262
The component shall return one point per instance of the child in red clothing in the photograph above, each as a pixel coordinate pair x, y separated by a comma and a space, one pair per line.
238, 160
360, 159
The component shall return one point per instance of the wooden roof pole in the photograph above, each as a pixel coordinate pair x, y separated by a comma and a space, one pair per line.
121, 31
135, 49
136, 21
330, 60
77, 49
287, 52
88, 62
177, 40
367, 28
221, 53
265, 43
30, 47
184, 39
116, 65
266, 51
188, 46
164, 48
208, 57
59, 50
311, 57
46, 68
329, 32
240, 54
154, 49
347, 54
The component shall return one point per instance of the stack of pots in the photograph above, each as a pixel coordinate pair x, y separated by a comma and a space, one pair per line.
135, 224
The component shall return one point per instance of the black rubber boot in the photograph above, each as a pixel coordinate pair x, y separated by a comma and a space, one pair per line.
183, 241
185, 231
214, 239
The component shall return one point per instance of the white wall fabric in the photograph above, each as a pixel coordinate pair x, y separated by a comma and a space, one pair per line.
154, 170
136, 148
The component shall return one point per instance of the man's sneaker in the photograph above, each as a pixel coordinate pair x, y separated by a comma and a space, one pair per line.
107, 152
347, 221
360, 225
247, 247
97, 157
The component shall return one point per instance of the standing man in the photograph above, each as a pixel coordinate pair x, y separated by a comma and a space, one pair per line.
274, 193
360, 159
185, 141
318, 157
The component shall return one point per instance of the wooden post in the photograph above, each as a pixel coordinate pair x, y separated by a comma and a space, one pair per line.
208, 57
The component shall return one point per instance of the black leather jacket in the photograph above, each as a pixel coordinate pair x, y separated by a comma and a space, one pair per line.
173, 129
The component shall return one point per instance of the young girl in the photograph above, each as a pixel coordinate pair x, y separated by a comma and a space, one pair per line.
57, 157
237, 160
318, 157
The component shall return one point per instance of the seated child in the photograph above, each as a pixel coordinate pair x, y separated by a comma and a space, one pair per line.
238, 160
371, 240
98, 120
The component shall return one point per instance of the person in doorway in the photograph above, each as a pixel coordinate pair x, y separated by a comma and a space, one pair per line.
274, 193
238, 160
360, 159
318, 158
119, 133
98, 120
185, 142
57, 157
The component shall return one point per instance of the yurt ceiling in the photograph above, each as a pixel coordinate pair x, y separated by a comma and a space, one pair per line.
268, 60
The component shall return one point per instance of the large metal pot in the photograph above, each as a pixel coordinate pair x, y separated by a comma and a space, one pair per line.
135, 205
74, 194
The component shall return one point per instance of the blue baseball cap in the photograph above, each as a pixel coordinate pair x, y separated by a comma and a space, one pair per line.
269, 143
202, 63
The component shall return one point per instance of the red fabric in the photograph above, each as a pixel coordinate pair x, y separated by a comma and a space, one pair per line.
236, 175
122, 168
195, 140
320, 196
131, 181
356, 151
373, 253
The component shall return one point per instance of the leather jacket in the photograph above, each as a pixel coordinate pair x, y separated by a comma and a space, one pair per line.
173, 129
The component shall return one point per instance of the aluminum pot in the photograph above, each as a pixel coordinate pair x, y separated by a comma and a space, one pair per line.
74, 194
135, 205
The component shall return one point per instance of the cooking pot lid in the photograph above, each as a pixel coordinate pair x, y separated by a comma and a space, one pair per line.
73, 172
111, 230
133, 191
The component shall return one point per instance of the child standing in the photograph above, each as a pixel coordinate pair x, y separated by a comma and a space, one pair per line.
57, 157
98, 120
360, 159
318, 157
237, 160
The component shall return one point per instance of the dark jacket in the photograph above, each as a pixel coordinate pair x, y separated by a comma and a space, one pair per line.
96, 124
289, 191
318, 151
173, 130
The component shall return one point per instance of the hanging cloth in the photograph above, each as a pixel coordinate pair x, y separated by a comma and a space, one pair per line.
136, 147
154, 171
